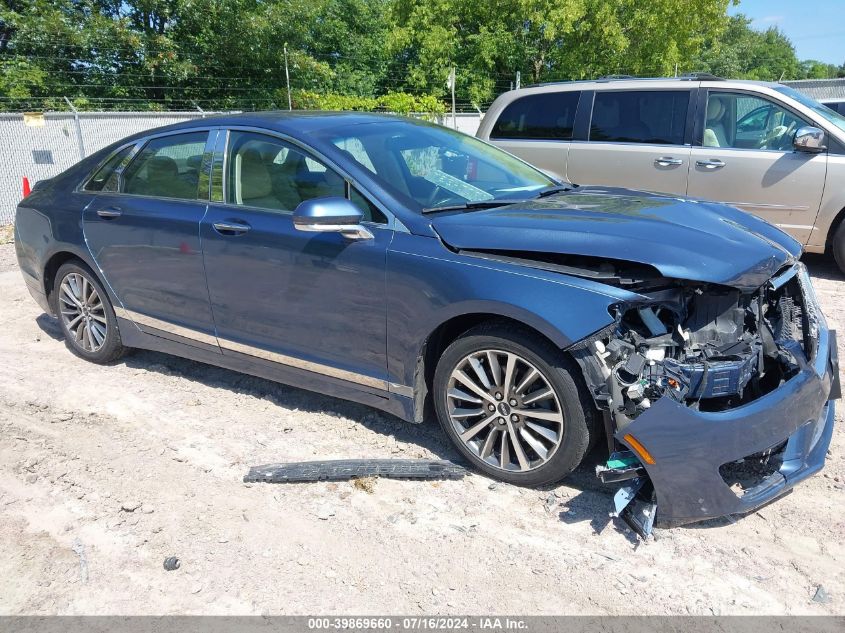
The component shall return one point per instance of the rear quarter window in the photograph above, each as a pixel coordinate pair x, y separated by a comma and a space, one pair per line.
544, 116
105, 178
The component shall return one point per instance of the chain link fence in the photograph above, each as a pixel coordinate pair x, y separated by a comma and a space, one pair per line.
38, 146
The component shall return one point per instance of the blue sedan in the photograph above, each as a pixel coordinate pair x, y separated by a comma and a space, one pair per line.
423, 272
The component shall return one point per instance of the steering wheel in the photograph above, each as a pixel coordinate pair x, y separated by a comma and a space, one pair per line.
779, 138
441, 197
432, 197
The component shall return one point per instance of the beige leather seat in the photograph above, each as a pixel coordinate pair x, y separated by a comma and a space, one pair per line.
163, 180
255, 187
715, 134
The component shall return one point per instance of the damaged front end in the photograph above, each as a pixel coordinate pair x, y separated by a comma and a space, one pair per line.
716, 399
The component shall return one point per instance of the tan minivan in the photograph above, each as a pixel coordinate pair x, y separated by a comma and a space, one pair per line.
762, 147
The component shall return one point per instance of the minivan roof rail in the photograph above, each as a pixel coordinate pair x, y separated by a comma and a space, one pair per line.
685, 77
701, 77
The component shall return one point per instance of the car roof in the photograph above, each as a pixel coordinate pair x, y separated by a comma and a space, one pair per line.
295, 122
623, 81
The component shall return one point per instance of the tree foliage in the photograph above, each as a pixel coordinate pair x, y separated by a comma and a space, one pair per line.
216, 54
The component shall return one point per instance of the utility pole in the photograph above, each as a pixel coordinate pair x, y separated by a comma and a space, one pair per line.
287, 76
451, 85
518, 79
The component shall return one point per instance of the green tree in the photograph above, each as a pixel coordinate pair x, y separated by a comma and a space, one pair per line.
745, 53
566, 39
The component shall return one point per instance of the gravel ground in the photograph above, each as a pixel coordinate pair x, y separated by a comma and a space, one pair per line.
106, 471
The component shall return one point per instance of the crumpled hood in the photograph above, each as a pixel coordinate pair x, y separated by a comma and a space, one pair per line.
682, 238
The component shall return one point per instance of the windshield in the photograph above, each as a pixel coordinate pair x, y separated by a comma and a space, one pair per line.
431, 166
831, 116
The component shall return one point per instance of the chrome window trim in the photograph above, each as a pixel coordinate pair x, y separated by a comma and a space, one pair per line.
138, 195
218, 168
204, 183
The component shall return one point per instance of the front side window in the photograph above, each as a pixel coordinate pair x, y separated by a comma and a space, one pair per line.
268, 173
654, 117
105, 179
744, 121
167, 167
430, 166
545, 116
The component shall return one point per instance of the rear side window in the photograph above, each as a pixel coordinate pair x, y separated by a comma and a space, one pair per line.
167, 167
545, 116
105, 179
655, 117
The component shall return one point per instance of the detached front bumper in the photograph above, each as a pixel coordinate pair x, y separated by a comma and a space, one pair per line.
690, 446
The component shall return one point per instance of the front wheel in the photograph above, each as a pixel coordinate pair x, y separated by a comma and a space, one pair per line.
510, 402
85, 314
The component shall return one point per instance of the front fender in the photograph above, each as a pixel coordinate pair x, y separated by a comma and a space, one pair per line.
427, 285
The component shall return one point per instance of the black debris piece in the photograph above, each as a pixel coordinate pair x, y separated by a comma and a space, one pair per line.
346, 469
171, 563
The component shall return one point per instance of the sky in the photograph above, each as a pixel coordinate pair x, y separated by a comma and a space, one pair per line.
816, 27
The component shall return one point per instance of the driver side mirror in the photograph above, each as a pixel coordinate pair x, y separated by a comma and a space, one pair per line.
809, 139
331, 215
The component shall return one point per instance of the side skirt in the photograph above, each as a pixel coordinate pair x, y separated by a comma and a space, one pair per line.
400, 406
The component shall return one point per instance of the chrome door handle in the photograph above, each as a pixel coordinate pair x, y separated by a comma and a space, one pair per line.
667, 161
231, 228
713, 163
110, 212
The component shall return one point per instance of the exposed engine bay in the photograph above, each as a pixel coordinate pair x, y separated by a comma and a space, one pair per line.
712, 348
708, 347
686, 365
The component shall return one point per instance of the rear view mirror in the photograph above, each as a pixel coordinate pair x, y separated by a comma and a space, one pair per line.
809, 139
331, 215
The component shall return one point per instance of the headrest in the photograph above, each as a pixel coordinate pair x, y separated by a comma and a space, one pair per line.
715, 108
162, 168
194, 162
253, 175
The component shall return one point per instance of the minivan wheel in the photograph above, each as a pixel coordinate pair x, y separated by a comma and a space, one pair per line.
85, 314
838, 247
510, 402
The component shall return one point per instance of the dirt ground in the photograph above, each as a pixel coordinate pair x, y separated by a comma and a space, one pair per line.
106, 471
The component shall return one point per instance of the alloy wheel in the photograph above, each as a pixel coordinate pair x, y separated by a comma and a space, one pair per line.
82, 312
504, 410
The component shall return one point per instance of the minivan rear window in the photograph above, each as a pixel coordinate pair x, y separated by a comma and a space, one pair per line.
640, 116
545, 116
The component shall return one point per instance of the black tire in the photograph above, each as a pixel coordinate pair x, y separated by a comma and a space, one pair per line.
111, 348
579, 429
837, 245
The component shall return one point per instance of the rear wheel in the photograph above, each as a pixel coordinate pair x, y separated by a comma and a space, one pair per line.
510, 403
85, 314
